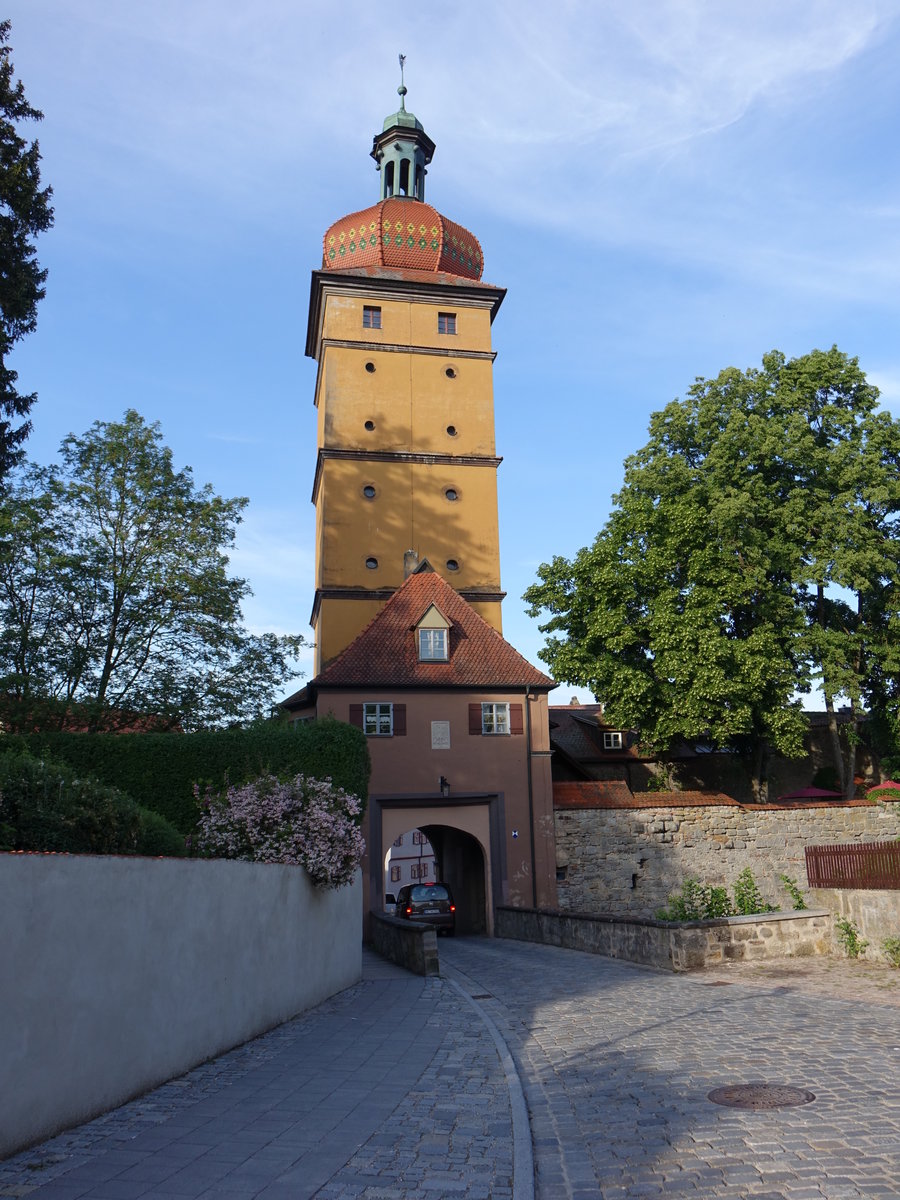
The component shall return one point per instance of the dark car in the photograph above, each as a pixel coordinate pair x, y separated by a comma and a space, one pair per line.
430, 903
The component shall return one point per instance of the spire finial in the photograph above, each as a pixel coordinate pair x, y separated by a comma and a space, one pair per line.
401, 90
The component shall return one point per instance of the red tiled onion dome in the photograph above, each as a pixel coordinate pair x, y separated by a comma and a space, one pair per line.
403, 233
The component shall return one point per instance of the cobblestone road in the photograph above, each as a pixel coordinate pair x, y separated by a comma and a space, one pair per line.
405, 1089
617, 1063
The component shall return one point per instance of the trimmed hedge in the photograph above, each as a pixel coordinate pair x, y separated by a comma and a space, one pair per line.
46, 806
159, 770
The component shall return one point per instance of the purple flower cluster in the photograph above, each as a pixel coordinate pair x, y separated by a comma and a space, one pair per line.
304, 821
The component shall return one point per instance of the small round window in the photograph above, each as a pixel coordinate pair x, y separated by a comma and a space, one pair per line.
451, 430
451, 494
369, 492
452, 564
450, 372
370, 425
370, 367
371, 564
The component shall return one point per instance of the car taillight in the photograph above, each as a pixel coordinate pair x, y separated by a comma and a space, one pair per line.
453, 908
408, 911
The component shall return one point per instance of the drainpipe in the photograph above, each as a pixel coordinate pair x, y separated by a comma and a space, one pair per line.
530, 797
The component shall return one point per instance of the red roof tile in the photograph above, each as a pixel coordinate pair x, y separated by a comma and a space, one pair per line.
385, 654
406, 233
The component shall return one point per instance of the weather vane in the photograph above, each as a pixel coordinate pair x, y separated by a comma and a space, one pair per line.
402, 88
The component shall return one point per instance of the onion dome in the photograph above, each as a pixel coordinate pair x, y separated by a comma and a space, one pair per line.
401, 231
404, 234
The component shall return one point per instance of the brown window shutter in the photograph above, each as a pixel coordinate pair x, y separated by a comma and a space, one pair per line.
515, 719
474, 718
356, 715
399, 720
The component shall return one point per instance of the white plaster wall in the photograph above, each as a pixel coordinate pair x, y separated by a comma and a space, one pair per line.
117, 974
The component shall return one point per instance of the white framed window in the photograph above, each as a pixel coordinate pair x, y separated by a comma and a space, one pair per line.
612, 741
495, 718
371, 316
418, 837
378, 720
433, 645
395, 874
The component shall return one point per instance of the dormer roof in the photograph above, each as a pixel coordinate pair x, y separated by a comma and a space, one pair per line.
386, 653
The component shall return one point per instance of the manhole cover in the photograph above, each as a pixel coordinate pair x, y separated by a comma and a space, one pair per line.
760, 1095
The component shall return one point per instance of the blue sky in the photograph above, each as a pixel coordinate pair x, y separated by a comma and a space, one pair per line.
665, 188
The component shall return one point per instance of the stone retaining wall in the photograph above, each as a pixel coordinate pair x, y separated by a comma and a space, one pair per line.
688, 946
409, 944
628, 856
875, 913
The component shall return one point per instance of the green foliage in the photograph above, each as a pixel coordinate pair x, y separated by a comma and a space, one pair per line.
701, 901
848, 936
26, 212
46, 806
115, 601
159, 770
748, 899
753, 553
158, 838
659, 783
696, 902
793, 890
891, 948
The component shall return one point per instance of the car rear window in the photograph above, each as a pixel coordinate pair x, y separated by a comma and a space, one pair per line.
422, 893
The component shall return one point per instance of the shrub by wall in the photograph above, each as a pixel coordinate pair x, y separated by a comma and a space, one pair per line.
159, 770
46, 806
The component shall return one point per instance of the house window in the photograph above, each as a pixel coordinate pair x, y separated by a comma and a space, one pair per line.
423, 870
495, 718
395, 874
418, 837
446, 322
378, 720
612, 741
371, 317
398, 841
433, 645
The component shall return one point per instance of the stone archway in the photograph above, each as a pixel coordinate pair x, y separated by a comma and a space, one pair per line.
460, 863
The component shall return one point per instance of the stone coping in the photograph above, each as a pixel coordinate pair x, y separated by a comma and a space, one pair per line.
597, 794
655, 923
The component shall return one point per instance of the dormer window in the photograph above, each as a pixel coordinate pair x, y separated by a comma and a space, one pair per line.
433, 637
433, 645
612, 741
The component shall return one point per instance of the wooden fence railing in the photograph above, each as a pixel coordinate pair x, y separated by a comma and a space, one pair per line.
862, 865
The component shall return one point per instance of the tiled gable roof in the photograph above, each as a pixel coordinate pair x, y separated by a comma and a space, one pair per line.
385, 654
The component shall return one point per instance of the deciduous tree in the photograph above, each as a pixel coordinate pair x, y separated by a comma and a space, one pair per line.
752, 555
115, 595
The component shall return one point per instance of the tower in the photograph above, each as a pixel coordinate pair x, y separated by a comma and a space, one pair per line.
400, 328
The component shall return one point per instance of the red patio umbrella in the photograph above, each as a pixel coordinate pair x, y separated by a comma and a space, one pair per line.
811, 793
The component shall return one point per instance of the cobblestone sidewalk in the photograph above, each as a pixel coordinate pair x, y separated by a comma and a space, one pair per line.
389, 1090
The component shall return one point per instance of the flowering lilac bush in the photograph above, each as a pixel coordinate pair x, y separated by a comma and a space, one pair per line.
304, 821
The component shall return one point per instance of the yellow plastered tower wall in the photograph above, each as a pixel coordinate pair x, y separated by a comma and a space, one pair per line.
400, 328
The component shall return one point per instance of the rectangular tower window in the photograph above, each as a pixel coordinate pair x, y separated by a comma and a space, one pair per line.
371, 317
446, 322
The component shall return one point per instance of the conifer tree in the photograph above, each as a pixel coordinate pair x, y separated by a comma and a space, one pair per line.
25, 211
